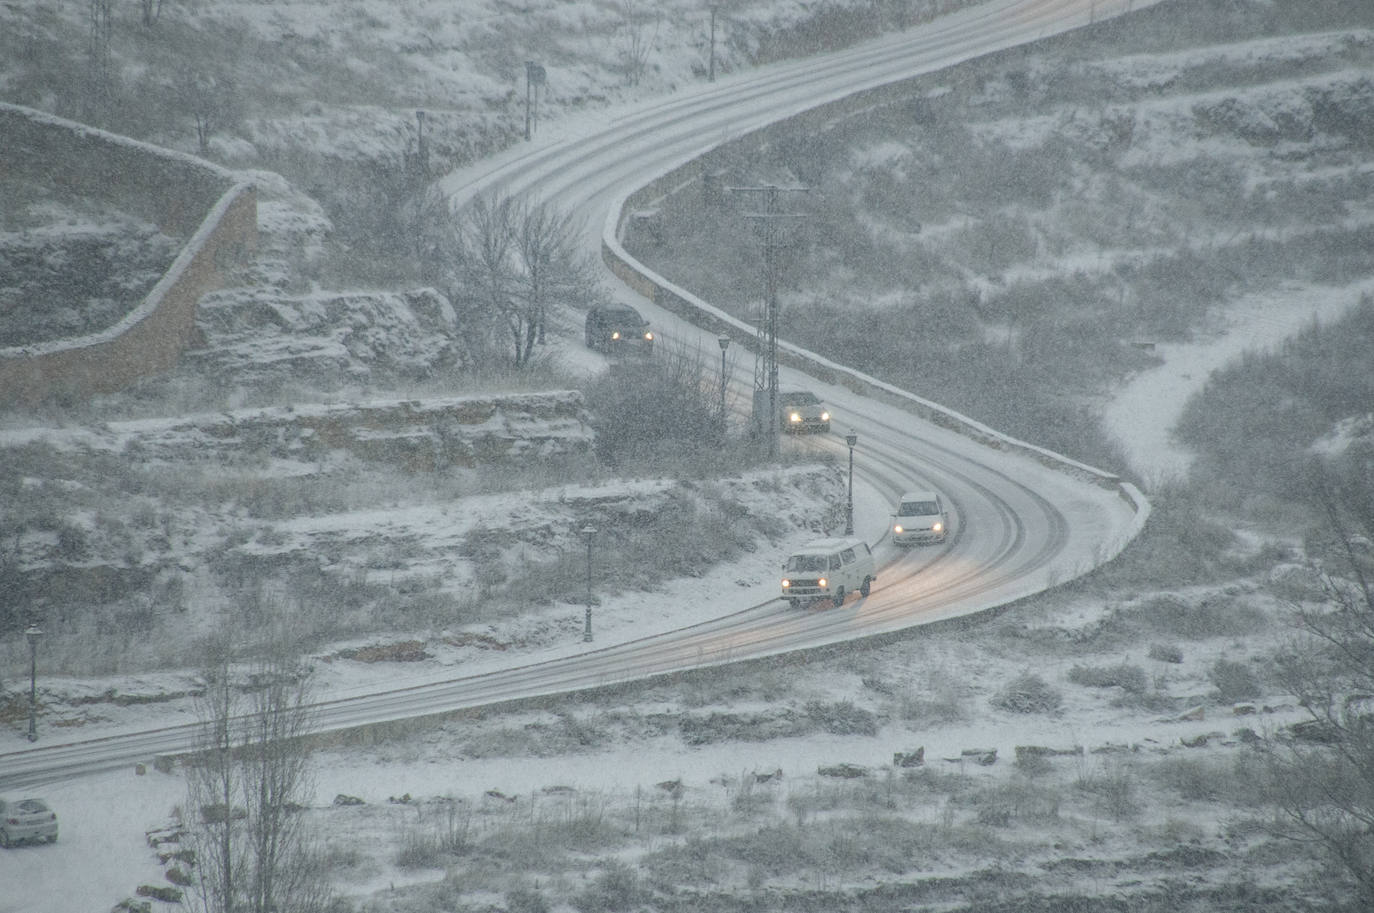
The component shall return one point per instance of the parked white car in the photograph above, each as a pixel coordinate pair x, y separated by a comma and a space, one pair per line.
26, 821
828, 569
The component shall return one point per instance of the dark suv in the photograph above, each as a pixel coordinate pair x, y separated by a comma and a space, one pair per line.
618, 328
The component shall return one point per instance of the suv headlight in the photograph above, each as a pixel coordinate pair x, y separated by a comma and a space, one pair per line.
897, 528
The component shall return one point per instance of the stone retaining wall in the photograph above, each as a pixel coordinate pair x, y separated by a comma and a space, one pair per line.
183, 195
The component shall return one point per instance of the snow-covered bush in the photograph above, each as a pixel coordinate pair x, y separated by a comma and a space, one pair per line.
1234, 681
1028, 693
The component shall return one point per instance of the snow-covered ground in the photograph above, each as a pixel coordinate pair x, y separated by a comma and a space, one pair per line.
105, 818
103, 854
1142, 414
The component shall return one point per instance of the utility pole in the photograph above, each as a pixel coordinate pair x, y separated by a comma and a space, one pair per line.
535, 76
711, 73
766, 375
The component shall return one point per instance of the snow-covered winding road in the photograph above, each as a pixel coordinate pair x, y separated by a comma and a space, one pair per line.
1024, 521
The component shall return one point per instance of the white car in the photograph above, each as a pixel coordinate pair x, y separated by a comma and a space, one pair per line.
26, 821
920, 517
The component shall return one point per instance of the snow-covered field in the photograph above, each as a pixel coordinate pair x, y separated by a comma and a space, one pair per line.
1102, 809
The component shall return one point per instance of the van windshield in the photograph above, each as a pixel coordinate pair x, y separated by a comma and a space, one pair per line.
800, 564
918, 509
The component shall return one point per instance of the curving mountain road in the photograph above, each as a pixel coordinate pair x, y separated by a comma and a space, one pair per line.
1024, 520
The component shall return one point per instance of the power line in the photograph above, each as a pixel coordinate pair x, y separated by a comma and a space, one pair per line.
766, 373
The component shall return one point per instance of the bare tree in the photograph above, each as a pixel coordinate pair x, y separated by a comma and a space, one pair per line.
100, 14
152, 11
550, 266
427, 216
1324, 767
213, 790
512, 259
483, 280
635, 35
210, 99
246, 784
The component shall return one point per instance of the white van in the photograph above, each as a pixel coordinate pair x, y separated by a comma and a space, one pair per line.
828, 569
920, 517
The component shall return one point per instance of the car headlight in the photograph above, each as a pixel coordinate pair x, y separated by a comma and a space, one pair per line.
786, 583
822, 582
615, 334
794, 417
937, 527
897, 528
649, 337
825, 416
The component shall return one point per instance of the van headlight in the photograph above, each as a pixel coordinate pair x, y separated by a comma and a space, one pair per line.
822, 582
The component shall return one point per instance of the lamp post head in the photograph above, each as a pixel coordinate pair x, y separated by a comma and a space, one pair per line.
724, 342
588, 531
420, 116
32, 634
851, 439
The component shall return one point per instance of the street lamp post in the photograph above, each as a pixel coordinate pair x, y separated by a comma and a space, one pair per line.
850, 439
724, 344
589, 531
535, 76
32, 635
711, 73
420, 144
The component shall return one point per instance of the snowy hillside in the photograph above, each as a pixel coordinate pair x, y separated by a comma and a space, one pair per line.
1089, 749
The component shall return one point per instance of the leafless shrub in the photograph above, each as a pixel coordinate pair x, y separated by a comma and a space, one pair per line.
1113, 789
1234, 681
442, 840
1028, 693
526, 899
616, 888
1325, 786
1130, 678
1017, 801
1166, 653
